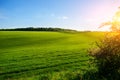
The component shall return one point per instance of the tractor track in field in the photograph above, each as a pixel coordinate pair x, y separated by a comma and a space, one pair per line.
37, 68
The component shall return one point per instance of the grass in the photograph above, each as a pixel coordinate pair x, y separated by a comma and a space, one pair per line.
39, 55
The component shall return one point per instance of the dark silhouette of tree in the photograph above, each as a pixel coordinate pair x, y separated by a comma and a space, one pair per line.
107, 53
38, 29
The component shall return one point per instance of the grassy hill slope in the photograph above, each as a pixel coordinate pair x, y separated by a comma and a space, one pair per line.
24, 55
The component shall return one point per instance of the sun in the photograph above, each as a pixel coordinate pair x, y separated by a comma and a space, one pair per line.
114, 23
116, 17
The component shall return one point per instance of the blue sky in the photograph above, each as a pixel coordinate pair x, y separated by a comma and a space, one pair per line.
72, 14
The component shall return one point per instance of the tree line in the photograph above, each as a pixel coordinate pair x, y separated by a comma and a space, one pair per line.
37, 29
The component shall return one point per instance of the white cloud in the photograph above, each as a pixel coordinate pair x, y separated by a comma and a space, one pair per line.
63, 17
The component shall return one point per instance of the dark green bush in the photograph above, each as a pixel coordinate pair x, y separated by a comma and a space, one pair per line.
107, 56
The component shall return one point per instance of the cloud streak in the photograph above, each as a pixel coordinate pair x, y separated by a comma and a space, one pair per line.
63, 17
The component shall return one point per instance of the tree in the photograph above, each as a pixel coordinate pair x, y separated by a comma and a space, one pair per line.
107, 54
115, 23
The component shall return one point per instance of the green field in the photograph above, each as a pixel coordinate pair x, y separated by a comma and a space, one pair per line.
38, 55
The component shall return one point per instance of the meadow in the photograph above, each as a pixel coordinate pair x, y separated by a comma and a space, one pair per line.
35, 55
